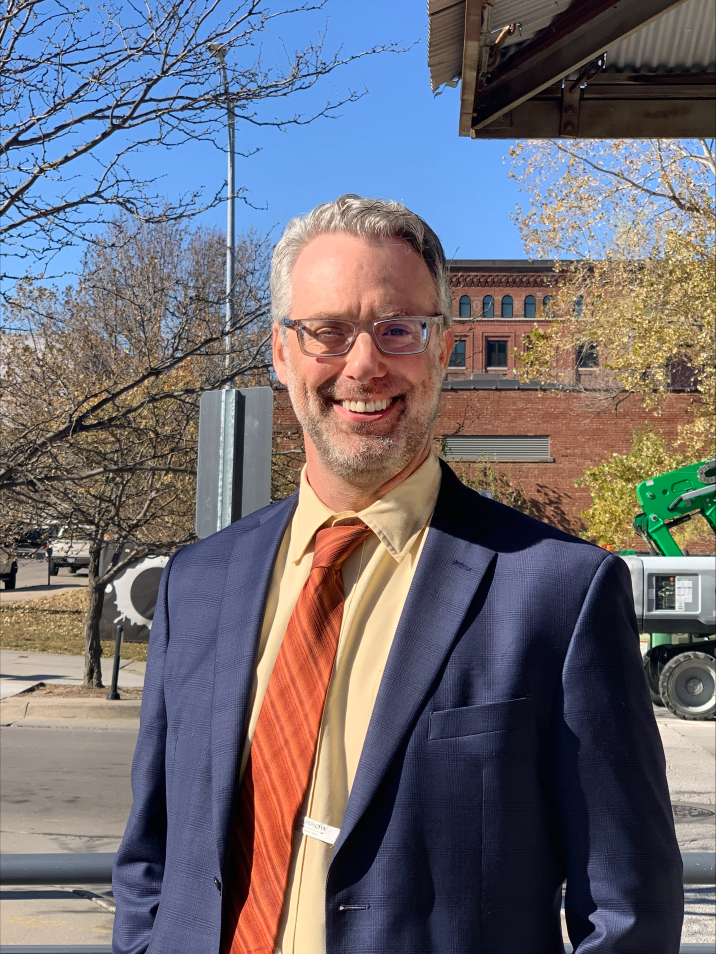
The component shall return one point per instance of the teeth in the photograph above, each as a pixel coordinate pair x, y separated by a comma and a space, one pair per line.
363, 407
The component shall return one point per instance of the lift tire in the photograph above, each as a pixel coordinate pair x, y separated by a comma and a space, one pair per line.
651, 682
54, 570
687, 686
11, 581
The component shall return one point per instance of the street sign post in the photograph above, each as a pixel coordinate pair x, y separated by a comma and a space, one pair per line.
234, 468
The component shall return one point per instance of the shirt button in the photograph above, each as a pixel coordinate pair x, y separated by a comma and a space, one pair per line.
218, 885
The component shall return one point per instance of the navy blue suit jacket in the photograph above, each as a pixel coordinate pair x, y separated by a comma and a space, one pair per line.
512, 746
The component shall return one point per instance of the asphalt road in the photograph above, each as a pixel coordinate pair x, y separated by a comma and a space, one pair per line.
32, 580
68, 789
64, 789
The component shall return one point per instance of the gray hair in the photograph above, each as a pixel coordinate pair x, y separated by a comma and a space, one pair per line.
365, 218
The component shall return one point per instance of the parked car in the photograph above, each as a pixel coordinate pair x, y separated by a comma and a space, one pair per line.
68, 547
33, 541
8, 567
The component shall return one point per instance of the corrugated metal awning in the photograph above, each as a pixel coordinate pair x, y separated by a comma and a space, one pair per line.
682, 41
446, 28
658, 77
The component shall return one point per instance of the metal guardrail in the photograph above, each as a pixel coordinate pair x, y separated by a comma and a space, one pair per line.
699, 867
96, 868
107, 949
69, 868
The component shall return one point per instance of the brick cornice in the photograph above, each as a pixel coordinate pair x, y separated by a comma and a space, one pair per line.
482, 280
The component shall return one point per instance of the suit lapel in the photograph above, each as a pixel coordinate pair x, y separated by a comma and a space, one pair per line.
242, 610
449, 572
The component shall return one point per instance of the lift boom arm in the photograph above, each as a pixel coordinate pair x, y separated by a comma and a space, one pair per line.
673, 498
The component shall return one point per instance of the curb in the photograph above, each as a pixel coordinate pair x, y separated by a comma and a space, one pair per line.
69, 711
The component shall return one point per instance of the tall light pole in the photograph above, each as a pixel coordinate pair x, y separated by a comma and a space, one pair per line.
218, 50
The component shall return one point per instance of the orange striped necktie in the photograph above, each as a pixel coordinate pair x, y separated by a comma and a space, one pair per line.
278, 771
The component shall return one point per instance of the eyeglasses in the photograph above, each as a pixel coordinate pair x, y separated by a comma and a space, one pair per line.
319, 337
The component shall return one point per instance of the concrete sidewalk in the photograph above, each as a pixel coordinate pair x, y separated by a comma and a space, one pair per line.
19, 671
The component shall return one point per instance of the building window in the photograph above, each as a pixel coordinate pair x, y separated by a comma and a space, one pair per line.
465, 307
682, 376
547, 307
587, 355
505, 447
507, 306
496, 353
488, 307
530, 307
457, 356
578, 306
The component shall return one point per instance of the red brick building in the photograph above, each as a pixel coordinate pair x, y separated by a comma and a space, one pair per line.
495, 302
541, 439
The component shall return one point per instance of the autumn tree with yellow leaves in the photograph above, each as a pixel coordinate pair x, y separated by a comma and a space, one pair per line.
631, 225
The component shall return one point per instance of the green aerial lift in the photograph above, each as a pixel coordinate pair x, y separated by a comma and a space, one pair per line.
674, 498
674, 592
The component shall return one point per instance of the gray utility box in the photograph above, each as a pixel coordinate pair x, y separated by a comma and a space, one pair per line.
674, 594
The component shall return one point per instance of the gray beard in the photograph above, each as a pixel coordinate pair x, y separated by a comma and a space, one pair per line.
363, 458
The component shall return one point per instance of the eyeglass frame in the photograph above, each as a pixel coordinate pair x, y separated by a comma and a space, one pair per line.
365, 326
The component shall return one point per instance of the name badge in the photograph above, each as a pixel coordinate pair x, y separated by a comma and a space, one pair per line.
318, 830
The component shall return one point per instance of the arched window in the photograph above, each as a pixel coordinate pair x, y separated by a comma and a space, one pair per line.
465, 307
547, 306
488, 307
507, 306
578, 306
530, 307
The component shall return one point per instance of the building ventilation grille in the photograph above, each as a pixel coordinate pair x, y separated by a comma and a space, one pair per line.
498, 448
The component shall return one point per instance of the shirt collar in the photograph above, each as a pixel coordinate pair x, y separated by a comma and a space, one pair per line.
396, 519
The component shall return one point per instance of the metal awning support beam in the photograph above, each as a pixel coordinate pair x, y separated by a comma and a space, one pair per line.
471, 56
615, 105
579, 35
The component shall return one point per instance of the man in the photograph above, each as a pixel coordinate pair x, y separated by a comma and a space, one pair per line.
388, 715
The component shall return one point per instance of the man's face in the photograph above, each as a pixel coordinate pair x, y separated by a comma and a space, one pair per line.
358, 280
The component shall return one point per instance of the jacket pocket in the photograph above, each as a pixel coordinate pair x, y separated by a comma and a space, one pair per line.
473, 720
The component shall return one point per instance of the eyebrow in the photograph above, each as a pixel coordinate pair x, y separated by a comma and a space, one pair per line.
326, 316
388, 313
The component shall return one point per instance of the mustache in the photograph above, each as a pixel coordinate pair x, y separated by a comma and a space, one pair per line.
392, 384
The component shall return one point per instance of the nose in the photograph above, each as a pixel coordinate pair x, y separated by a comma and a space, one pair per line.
364, 361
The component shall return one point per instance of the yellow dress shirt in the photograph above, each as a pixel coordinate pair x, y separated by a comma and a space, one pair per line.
376, 578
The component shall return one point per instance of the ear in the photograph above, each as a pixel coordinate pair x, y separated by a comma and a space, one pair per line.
447, 341
279, 354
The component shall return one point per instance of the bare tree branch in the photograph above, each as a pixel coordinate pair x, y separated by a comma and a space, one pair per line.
84, 89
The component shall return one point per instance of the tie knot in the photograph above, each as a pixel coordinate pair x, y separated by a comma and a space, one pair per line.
335, 544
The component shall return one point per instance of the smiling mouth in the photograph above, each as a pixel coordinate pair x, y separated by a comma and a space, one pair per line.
366, 407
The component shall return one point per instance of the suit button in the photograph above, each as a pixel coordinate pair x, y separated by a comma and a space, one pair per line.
218, 885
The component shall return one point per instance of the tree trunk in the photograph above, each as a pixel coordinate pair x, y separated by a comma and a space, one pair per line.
93, 647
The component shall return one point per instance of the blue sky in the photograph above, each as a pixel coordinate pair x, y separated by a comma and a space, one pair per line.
398, 141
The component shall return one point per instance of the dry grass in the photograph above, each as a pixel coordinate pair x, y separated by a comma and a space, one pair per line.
42, 691
53, 624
